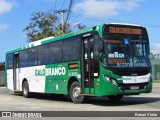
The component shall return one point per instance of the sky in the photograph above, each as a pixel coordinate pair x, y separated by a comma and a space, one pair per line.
15, 16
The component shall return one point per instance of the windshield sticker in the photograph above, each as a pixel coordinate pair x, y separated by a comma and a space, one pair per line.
131, 65
116, 54
126, 41
110, 55
124, 64
115, 61
135, 60
121, 55
113, 41
140, 64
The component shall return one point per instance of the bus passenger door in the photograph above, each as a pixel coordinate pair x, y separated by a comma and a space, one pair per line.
87, 66
15, 71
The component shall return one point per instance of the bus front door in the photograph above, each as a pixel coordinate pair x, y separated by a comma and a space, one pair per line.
87, 66
15, 72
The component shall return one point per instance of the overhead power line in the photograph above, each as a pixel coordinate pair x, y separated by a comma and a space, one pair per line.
102, 19
63, 3
69, 11
55, 5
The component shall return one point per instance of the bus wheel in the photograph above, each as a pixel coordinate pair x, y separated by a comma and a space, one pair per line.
115, 97
25, 90
75, 93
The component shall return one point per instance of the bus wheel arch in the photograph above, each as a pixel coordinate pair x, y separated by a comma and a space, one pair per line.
74, 90
25, 88
24, 79
71, 80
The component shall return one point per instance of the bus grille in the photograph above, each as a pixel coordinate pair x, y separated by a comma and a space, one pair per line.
139, 86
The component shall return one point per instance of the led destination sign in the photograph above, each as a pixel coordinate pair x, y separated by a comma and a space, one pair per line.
125, 30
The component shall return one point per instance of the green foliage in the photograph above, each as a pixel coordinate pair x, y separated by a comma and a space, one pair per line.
67, 29
44, 25
156, 81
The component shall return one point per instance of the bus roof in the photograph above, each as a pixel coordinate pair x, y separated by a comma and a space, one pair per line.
38, 42
126, 24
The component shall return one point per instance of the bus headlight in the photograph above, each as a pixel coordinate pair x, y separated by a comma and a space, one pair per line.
107, 78
114, 82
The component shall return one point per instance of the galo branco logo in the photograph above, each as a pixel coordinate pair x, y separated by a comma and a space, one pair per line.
50, 71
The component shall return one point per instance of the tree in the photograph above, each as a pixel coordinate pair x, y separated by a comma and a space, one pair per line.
67, 29
43, 25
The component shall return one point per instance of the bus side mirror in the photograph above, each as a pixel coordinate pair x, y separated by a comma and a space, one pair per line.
97, 47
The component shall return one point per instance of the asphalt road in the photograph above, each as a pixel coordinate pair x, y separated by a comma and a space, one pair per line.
40, 102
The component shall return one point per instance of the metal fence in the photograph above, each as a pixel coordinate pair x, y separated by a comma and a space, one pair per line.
156, 72
1, 78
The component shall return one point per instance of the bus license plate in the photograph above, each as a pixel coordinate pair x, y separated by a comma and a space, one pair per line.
134, 87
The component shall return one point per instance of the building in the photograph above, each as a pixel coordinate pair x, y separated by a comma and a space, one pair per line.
2, 74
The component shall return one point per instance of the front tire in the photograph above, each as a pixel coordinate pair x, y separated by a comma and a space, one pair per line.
115, 98
25, 90
75, 93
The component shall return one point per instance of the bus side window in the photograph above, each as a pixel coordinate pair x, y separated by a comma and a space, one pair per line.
71, 49
56, 52
43, 54
32, 59
9, 59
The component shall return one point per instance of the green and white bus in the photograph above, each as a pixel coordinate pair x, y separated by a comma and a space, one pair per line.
104, 60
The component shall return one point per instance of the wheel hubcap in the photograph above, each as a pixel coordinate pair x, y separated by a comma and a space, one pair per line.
76, 92
25, 91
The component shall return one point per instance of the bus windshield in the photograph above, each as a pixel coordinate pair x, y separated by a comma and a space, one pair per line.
126, 52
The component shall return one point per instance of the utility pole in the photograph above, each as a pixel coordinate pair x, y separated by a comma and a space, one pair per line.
63, 22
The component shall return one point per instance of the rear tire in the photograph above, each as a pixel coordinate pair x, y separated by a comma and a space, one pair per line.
75, 93
25, 90
115, 98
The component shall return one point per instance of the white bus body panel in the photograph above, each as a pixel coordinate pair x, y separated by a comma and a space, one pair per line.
36, 83
18, 80
10, 79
